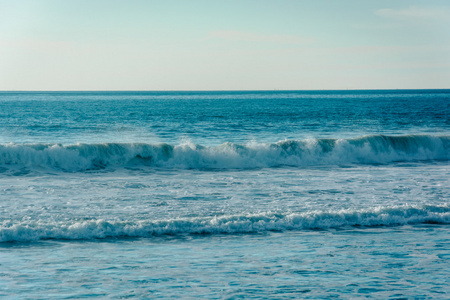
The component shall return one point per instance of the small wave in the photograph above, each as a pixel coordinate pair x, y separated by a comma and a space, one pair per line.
246, 223
364, 150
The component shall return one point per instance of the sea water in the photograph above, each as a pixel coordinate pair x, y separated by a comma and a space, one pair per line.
225, 195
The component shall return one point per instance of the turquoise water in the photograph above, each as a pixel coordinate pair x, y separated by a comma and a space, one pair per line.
379, 263
323, 194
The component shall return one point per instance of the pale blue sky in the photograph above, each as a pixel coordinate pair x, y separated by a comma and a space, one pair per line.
224, 45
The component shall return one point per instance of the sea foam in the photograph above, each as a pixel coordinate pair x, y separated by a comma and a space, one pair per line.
364, 150
31, 230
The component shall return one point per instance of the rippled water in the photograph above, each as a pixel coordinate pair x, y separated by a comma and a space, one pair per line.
225, 194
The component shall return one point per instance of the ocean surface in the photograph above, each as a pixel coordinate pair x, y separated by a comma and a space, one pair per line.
225, 195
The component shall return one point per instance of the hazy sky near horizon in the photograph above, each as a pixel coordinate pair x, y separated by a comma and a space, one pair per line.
224, 45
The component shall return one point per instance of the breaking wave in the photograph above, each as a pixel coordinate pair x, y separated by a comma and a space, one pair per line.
363, 150
32, 230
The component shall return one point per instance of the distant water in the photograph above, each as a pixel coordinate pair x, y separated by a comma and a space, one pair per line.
270, 195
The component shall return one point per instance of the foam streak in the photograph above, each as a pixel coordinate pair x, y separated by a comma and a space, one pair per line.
244, 223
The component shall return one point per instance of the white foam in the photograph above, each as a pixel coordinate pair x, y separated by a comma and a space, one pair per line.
31, 230
363, 150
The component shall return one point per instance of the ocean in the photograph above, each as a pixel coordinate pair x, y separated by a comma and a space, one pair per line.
225, 195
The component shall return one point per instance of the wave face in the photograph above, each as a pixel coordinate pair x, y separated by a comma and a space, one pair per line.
364, 150
29, 230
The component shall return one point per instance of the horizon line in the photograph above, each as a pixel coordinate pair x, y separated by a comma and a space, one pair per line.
246, 90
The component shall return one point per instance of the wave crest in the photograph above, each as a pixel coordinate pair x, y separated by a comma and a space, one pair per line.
309, 152
245, 223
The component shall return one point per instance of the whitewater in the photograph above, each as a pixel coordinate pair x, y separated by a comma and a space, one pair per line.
364, 150
264, 194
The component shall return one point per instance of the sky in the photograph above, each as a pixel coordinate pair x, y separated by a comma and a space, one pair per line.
224, 45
